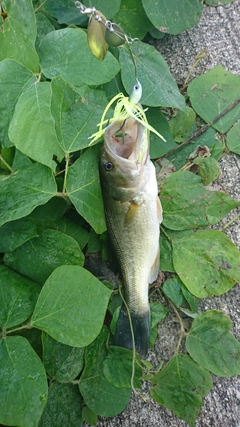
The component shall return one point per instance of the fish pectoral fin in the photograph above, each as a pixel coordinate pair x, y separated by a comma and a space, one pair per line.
133, 208
159, 210
155, 268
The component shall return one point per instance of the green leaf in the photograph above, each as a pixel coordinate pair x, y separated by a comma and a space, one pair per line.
21, 192
65, 11
180, 386
66, 226
18, 34
159, 87
109, 9
44, 27
53, 210
71, 306
15, 233
171, 16
181, 124
38, 257
214, 91
23, 383
117, 368
132, 12
158, 313
209, 169
208, 263
62, 362
83, 186
65, 53
158, 147
64, 407
217, 2
172, 288
89, 416
18, 297
14, 79
187, 204
76, 114
99, 395
233, 139
212, 345
34, 133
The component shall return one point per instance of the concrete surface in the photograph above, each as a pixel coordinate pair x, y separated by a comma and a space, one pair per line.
219, 32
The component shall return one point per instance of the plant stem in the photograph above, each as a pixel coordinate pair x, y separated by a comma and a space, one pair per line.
27, 326
67, 158
182, 331
6, 164
230, 222
164, 232
204, 128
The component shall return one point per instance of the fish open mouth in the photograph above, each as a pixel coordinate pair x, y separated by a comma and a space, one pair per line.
127, 139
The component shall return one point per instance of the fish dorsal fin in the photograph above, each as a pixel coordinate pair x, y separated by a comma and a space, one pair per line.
159, 210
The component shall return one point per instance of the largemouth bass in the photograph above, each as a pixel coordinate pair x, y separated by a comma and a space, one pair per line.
133, 214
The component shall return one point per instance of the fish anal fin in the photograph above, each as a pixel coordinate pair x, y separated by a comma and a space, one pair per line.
155, 268
159, 210
133, 209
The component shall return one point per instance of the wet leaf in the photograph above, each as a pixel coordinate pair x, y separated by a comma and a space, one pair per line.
76, 115
38, 257
64, 406
233, 139
65, 53
62, 362
14, 79
15, 233
180, 386
173, 17
83, 186
18, 197
21, 370
111, 400
211, 344
71, 306
158, 313
208, 263
214, 91
34, 133
18, 297
18, 34
187, 204
159, 87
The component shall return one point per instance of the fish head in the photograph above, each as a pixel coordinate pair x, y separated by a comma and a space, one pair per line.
124, 157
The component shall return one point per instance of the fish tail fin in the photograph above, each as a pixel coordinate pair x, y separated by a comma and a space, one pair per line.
141, 330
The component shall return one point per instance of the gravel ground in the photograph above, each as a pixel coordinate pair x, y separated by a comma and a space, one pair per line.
219, 32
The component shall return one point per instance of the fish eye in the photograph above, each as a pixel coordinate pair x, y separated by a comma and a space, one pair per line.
108, 166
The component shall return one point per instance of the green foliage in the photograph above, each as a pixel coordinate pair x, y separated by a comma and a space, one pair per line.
58, 362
